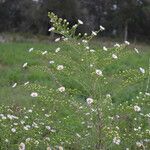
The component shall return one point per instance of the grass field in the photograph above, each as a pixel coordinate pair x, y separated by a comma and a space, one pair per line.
122, 79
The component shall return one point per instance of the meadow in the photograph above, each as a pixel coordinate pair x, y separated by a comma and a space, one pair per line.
72, 95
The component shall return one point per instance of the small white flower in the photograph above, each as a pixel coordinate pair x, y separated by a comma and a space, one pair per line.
65, 39
28, 140
117, 45
48, 127
92, 50
84, 41
89, 101
45, 52
102, 28
34, 94
75, 26
30, 111
13, 130
142, 70
114, 56
87, 47
91, 65
136, 50
60, 67
14, 85
116, 140
31, 49
27, 127
25, 65
47, 138
80, 22
148, 94
104, 48
51, 62
22, 122
22, 146
127, 42
137, 108
78, 135
108, 96
6, 140
51, 29
99, 72
61, 89
94, 33
26, 83
36, 142
57, 40
57, 50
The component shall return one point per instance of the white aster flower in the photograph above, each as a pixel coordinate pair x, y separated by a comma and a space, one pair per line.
34, 94
136, 50
102, 28
108, 96
117, 45
26, 83
25, 65
94, 33
148, 94
92, 50
22, 146
91, 65
51, 62
87, 47
114, 56
89, 101
28, 140
99, 72
36, 142
78, 135
31, 49
65, 39
61, 89
116, 140
14, 85
45, 52
127, 42
6, 140
48, 127
142, 70
57, 40
60, 67
80, 22
51, 29
30, 110
57, 50
104, 48
13, 130
84, 41
137, 108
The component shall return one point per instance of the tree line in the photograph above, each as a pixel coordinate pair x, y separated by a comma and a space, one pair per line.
127, 19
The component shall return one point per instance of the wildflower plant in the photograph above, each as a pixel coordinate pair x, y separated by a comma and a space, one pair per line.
91, 101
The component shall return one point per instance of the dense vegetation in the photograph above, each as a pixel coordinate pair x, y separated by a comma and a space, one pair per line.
73, 95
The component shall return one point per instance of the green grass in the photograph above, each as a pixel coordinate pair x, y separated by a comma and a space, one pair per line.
14, 55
